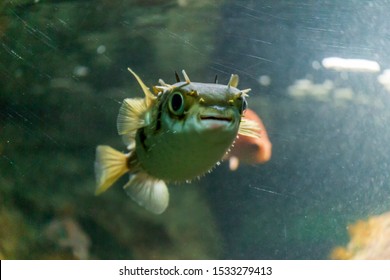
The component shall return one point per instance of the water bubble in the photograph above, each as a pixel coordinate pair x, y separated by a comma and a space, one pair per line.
316, 65
101, 49
265, 80
80, 71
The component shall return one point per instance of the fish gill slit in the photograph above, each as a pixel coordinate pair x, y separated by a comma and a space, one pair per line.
142, 138
164, 99
158, 119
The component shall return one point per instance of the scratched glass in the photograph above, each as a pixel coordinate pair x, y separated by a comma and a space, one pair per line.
319, 74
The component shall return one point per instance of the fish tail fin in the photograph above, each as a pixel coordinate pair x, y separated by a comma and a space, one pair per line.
148, 192
110, 165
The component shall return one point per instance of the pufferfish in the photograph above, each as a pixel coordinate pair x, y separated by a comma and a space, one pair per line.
176, 133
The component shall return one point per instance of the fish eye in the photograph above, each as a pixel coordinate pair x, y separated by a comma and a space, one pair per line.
244, 104
176, 103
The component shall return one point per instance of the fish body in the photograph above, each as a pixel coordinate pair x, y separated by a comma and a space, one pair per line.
177, 133
173, 150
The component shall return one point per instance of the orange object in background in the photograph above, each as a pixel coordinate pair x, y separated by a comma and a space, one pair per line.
249, 150
370, 240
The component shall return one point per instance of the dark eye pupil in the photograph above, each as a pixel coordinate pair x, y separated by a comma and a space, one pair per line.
176, 102
244, 105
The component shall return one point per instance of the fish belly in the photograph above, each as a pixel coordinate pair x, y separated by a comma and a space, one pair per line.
179, 157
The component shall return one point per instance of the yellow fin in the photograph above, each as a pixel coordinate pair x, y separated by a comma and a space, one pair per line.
233, 82
149, 97
130, 117
110, 164
148, 192
249, 128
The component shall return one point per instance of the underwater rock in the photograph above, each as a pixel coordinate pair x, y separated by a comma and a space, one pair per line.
67, 233
370, 240
14, 234
185, 231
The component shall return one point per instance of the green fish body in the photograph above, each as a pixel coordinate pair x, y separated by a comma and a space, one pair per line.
177, 133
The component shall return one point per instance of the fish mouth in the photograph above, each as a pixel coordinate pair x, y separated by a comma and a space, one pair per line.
215, 122
216, 118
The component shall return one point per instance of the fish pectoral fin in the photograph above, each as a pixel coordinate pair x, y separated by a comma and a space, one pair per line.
249, 128
148, 192
110, 165
130, 117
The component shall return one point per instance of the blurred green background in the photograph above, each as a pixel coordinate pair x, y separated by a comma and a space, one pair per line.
63, 77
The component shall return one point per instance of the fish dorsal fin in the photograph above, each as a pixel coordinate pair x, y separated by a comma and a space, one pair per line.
131, 116
148, 192
249, 128
233, 82
177, 77
149, 96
